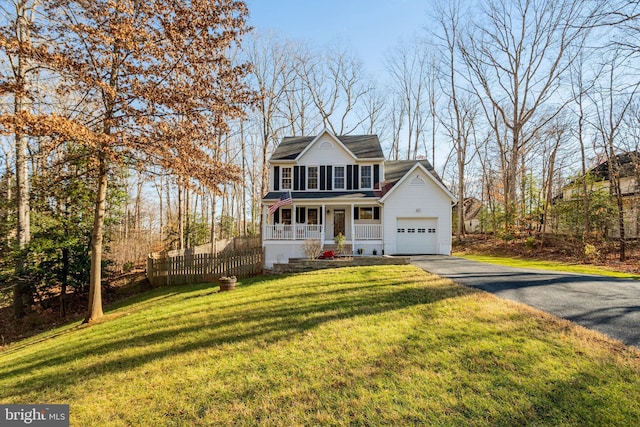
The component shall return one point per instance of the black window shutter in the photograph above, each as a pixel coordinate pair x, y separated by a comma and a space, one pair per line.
323, 174
276, 217
296, 178
276, 178
356, 213
376, 175
320, 215
303, 178
350, 185
356, 177
329, 178
376, 212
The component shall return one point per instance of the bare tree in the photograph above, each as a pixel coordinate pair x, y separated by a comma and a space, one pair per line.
517, 53
581, 85
396, 116
298, 109
612, 100
408, 66
553, 138
272, 73
460, 116
372, 111
16, 36
336, 84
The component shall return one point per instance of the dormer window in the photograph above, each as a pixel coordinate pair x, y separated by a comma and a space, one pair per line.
338, 177
286, 178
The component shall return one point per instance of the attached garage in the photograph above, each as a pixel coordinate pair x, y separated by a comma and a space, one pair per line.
417, 236
416, 210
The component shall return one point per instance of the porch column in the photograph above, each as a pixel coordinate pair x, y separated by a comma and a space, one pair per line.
323, 222
382, 226
353, 231
265, 220
293, 221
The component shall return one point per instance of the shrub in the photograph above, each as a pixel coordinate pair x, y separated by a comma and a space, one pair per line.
530, 243
127, 266
591, 252
312, 248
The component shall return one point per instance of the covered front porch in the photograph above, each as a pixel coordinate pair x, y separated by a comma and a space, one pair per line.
361, 224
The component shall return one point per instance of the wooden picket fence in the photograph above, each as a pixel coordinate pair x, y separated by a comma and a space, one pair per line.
201, 268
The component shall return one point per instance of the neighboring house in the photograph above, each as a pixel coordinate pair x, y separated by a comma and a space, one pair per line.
326, 185
629, 172
472, 213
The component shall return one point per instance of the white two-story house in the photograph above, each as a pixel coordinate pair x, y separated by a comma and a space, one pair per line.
342, 184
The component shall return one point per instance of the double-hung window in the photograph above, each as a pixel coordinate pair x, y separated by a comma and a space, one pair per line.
312, 178
365, 176
286, 179
312, 216
338, 177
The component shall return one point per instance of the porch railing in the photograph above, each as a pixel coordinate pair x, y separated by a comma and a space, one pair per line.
292, 232
368, 231
304, 232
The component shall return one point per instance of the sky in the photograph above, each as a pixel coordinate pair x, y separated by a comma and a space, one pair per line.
366, 28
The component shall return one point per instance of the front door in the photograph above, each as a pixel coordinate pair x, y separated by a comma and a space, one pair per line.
338, 222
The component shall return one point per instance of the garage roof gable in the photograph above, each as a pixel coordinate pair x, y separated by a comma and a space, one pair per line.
433, 179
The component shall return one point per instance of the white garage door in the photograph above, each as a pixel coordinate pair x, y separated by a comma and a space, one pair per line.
417, 235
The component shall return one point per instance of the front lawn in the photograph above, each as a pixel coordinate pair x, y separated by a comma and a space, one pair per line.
547, 265
388, 345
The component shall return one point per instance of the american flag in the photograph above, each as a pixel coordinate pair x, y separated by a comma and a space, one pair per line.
285, 199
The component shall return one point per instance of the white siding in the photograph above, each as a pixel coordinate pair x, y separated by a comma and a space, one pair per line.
280, 252
418, 197
326, 151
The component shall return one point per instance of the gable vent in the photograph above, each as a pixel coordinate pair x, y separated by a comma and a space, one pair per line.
417, 181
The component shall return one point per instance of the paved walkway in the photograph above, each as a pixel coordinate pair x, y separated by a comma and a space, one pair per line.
608, 305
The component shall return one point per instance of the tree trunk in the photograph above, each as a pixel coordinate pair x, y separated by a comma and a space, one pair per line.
22, 178
244, 182
549, 195
63, 282
614, 182
187, 218
95, 280
460, 224
23, 221
213, 223
161, 213
180, 219
138, 209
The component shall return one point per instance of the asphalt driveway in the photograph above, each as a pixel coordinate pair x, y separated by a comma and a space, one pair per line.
608, 305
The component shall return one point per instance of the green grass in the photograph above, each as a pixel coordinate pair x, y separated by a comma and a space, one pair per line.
548, 265
385, 345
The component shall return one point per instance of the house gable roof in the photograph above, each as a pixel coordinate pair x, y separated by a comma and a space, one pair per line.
396, 172
361, 147
627, 164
